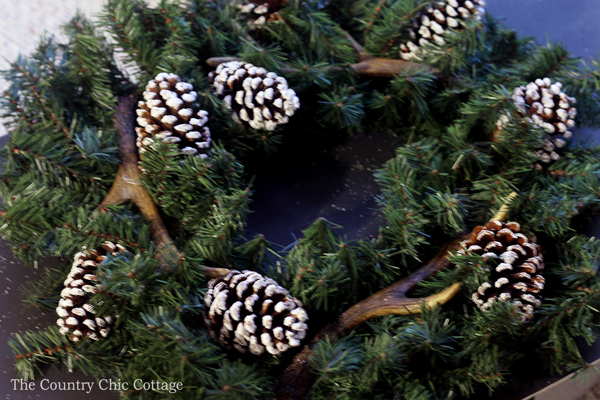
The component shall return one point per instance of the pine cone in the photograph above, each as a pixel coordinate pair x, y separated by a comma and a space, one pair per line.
77, 316
247, 311
516, 276
435, 20
547, 107
259, 99
549, 152
256, 15
170, 113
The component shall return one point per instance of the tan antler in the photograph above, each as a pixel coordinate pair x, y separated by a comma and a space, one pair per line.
368, 66
295, 380
127, 185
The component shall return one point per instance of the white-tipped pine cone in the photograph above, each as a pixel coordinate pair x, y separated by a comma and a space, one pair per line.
256, 15
258, 98
516, 263
246, 311
549, 108
78, 318
170, 113
435, 20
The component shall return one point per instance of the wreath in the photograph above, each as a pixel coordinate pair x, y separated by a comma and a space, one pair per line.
126, 156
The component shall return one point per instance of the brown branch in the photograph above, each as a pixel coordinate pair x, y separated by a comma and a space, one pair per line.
127, 186
296, 379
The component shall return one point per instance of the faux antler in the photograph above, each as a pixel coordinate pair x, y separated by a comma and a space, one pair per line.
369, 66
295, 380
127, 186
377, 67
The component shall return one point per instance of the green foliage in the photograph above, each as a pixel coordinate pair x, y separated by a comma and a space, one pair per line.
303, 28
239, 381
328, 273
386, 22
452, 172
342, 108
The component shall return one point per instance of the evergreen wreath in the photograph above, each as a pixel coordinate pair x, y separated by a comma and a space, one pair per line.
72, 180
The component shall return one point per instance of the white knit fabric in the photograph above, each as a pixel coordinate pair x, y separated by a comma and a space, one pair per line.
24, 21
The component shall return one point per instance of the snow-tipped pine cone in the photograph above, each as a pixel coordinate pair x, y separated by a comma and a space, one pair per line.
516, 268
170, 113
431, 24
549, 108
256, 15
246, 311
78, 318
259, 99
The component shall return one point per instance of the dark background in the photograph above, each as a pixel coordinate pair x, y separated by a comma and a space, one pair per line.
334, 182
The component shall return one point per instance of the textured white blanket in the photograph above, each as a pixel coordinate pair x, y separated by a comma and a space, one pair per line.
24, 21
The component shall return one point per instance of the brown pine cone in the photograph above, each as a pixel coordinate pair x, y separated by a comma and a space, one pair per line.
78, 318
549, 152
435, 20
246, 311
517, 276
259, 99
548, 107
170, 113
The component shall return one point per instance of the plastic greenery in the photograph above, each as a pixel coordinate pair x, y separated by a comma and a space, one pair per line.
451, 174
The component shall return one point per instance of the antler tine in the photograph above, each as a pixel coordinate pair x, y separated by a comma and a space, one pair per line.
216, 61
394, 299
369, 66
127, 186
295, 380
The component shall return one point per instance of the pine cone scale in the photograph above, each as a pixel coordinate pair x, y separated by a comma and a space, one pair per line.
516, 277
435, 20
170, 113
258, 99
248, 312
547, 107
78, 318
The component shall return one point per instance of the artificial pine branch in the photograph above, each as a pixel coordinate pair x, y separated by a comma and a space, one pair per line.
127, 186
450, 174
368, 67
297, 377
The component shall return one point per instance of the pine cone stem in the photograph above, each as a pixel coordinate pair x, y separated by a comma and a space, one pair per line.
297, 378
127, 185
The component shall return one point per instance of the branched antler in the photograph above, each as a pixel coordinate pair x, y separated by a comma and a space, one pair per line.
127, 185
368, 66
297, 378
